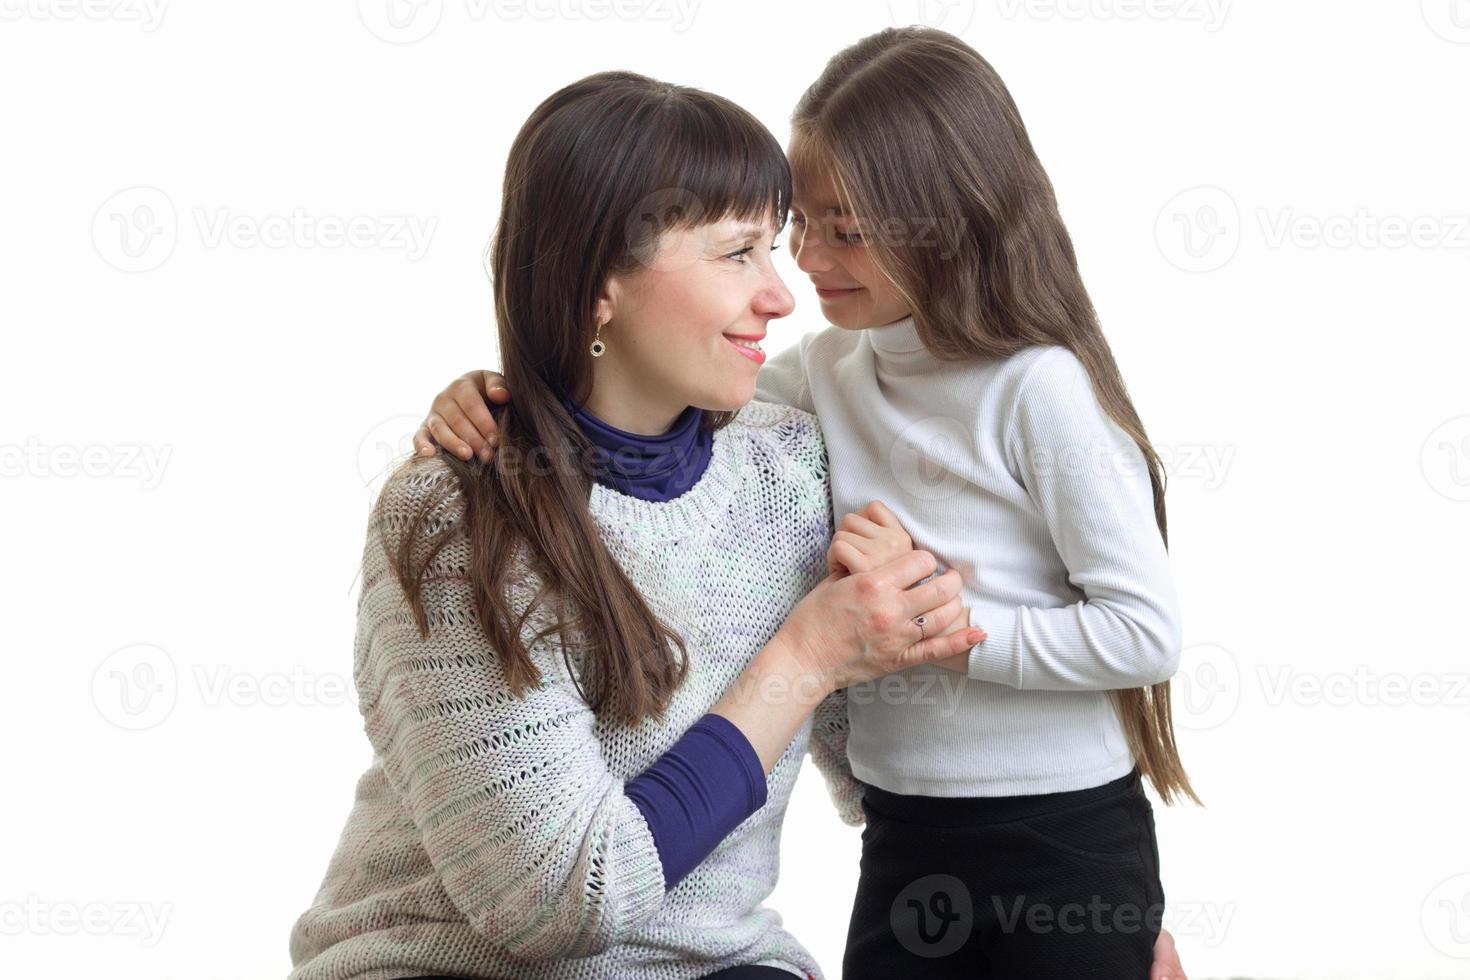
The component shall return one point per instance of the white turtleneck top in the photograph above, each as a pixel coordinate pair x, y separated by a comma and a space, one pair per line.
1009, 471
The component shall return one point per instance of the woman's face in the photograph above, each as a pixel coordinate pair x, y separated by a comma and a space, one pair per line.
674, 326
827, 243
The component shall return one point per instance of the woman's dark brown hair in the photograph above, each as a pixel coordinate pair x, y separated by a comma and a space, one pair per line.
916, 129
599, 170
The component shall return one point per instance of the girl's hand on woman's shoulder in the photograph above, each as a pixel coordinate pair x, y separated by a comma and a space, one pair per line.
459, 418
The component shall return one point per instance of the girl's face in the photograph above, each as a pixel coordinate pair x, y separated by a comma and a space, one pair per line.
674, 326
827, 243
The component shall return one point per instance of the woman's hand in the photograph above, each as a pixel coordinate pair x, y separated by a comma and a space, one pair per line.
848, 629
861, 626
872, 537
459, 418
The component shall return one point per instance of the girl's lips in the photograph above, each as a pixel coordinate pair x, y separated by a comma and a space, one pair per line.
750, 353
835, 293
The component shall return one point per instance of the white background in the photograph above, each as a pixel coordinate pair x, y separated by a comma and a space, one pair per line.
198, 391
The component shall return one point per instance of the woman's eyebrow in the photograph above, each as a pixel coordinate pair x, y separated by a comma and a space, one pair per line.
744, 232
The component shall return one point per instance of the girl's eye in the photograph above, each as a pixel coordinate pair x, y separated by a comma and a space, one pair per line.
849, 237
797, 219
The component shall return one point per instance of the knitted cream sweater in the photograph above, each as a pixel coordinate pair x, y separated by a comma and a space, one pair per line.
490, 836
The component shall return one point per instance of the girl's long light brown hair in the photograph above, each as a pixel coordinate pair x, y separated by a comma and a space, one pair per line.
917, 130
599, 170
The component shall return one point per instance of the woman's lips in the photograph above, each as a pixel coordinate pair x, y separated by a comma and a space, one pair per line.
750, 353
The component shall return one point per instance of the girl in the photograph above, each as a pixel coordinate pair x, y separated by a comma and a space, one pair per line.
589, 688
965, 381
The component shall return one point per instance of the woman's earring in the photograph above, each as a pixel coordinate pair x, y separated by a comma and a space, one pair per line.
598, 347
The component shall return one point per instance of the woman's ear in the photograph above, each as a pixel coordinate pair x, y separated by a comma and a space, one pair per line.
606, 307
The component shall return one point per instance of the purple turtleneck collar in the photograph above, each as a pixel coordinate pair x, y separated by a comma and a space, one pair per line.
648, 467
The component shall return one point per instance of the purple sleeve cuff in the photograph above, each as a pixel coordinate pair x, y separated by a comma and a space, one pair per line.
697, 792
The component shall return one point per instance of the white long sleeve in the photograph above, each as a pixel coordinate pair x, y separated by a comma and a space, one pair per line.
1088, 480
986, 464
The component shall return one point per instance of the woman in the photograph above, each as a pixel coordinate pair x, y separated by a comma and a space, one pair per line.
588, 668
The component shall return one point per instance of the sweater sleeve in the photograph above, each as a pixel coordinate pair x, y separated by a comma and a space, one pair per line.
698, 791
828, 747
782, 379
1088, 479
533, 838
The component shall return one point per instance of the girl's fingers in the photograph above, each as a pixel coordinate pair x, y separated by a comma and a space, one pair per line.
492, 385
845, 555
447, 437
470, 435
859, 525
477, 413
423, 443
878, 513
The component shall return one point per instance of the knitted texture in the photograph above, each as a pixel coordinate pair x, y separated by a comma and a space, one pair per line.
490, 836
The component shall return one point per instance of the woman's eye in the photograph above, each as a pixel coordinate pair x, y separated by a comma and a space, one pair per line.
739, 254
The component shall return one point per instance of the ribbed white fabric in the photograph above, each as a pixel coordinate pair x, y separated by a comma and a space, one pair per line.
1009, 471
490, 836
